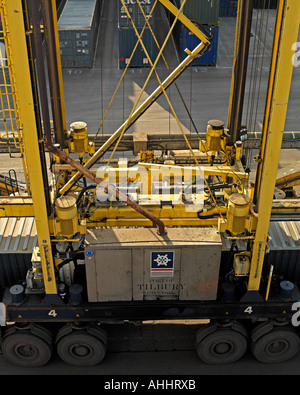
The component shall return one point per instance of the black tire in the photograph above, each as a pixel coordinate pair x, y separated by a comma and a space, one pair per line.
278, 345
224, 346
79, 348
26, 349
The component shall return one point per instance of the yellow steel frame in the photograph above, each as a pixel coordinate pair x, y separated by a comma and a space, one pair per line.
221, 171
16, 206
286, 34
288, 176
143, 222
178, 14
171, 215
28, 124
175, 214
136, 112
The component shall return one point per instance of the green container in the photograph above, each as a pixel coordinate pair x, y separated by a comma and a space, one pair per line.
204, 12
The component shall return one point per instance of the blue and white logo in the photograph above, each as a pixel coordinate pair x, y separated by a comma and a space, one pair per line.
162, 264
89, 253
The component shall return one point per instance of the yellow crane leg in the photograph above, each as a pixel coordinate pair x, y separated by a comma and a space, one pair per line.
15, 23
286, 34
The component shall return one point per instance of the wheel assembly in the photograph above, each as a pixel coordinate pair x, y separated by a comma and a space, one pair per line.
223, 345
82, 347
276, 346
27, 347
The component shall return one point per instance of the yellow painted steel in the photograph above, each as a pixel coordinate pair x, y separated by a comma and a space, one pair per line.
28, 123
136, 112
16, 206
172, 211
269, 282
177, 14
190, 25
140, 222
286, 34
132, 118
126, 68
79, 141
174, 214
220, 171
288, 176
238, 211
66, 212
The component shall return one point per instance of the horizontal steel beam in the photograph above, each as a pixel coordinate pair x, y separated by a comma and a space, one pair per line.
291, 140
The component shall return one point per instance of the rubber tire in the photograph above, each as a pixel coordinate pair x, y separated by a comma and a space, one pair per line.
224, 346
287, 348
79, 348
26, 349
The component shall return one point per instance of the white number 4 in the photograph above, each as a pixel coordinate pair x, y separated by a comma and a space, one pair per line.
52, 313
248, 310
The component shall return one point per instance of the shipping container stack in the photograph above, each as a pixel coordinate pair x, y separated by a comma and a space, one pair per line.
205, 14
128, 38
78, 29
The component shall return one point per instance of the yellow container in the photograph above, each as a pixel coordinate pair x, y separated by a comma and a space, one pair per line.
80, 140
238, 211
66, 213
214, 132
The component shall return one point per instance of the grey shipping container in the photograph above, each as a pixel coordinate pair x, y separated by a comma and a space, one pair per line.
123, 265
127, 42
17, 239
78, 29
201, 11
135, 13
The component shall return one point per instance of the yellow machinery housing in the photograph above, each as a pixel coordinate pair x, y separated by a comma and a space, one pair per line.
66, 212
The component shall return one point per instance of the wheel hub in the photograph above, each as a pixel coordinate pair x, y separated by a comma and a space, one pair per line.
81, 350
26, 350
222, 348
277, 347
